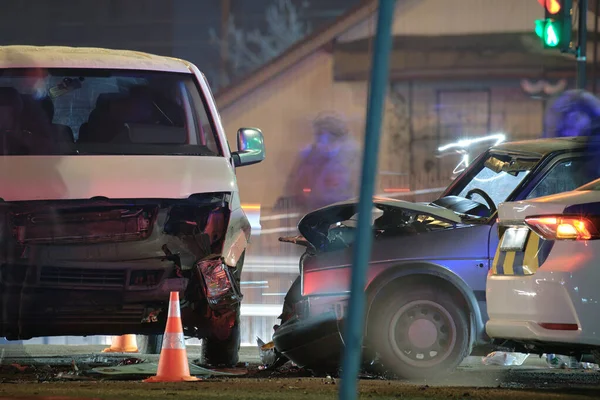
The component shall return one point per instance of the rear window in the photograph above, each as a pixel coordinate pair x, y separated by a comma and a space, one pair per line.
100, 111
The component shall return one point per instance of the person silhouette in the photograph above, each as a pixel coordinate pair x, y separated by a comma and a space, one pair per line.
327, 169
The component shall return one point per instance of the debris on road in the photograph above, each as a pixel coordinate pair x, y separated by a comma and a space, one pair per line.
19, 367
567, 362
131, 361
88, 359
144, 369
555, 361
504, 358
94, 368
269, 356
72, 376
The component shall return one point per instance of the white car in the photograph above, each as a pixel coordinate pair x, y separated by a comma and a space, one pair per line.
543, 288
117, 187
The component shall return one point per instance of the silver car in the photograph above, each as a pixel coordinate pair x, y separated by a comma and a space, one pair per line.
426, 305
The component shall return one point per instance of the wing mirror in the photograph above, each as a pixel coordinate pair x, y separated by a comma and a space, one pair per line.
251, 147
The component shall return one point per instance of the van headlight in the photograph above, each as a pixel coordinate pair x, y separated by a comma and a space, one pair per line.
220, 287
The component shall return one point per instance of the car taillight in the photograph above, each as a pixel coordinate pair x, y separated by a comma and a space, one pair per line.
559, 327
563, 227
218, 283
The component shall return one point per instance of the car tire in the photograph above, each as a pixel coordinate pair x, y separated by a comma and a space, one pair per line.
420, 332
223, 353
149, 344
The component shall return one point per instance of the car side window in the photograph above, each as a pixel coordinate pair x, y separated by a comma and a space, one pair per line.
565, 176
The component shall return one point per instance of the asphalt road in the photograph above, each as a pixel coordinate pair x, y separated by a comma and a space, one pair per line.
472, 380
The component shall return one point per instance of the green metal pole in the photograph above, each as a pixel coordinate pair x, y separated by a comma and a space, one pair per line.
353, 335
582, 45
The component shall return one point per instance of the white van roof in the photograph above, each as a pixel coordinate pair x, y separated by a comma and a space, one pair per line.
87, 57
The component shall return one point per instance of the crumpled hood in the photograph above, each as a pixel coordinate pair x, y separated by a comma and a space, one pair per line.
311, 224
24, 178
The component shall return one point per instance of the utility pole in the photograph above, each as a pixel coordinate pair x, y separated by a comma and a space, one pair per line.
582, 44
354, 328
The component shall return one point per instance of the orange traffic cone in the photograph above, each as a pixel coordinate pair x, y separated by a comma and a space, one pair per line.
173, 363
122, 344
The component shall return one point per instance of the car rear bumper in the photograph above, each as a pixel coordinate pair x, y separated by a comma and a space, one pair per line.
314, 342
543, 307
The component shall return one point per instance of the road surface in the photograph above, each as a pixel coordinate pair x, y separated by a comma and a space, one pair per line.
533, 380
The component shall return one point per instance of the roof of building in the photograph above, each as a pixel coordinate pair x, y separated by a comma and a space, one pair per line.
87, 57
296, 53
517, 49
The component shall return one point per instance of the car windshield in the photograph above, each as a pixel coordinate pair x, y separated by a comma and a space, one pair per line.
100, 111
498, 185
495, 175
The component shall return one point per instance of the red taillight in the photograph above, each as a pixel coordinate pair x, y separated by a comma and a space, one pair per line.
559, 327
564, 227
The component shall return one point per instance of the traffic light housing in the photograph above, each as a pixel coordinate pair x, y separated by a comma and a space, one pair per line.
556, 27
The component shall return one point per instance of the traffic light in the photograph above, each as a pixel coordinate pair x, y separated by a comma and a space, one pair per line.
555, 28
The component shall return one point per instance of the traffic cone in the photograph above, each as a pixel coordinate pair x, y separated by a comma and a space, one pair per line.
173, 365
122, 344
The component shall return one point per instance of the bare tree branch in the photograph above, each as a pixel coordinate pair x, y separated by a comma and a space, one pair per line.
249, 50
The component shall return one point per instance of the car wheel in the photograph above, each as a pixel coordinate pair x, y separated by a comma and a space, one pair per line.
149, 344
420, 333
217, 353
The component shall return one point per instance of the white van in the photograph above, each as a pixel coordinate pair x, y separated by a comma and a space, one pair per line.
117, 186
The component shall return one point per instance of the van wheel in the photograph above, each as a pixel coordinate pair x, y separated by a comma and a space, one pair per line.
420, 333
223, 353
149, 344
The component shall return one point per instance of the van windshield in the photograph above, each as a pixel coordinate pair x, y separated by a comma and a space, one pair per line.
100, 111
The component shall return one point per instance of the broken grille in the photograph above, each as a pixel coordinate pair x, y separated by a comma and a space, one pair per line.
80, 276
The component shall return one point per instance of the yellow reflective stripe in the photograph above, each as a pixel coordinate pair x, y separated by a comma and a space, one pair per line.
530, 260
509, 260
495, 263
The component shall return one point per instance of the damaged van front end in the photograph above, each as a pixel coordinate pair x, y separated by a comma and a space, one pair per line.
104, 266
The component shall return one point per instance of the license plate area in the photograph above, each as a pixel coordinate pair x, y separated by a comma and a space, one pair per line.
514, 239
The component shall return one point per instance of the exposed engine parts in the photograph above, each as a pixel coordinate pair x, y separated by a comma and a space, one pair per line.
114, 261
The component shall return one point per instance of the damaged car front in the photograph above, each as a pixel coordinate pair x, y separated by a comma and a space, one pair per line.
316, 305
426, 306
118, 187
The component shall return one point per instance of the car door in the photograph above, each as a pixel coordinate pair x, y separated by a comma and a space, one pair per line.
562, 174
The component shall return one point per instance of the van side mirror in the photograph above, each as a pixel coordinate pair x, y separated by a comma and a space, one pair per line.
251, 147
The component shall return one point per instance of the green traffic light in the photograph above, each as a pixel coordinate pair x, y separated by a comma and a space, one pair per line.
551, 34
539, 28
549, 31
